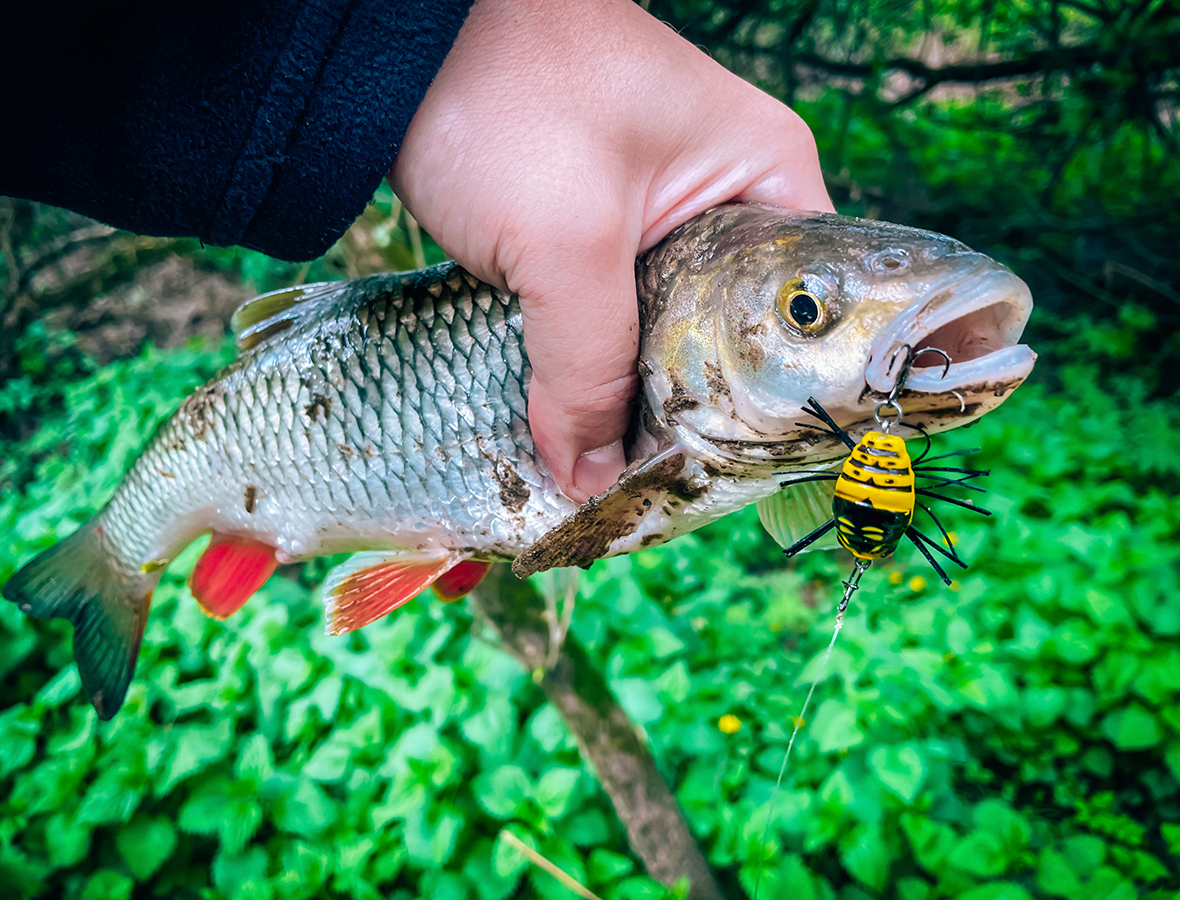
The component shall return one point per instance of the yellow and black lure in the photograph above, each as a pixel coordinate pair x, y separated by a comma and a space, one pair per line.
877, 494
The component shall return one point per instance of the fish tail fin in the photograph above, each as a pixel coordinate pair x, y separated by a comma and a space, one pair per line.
107, 601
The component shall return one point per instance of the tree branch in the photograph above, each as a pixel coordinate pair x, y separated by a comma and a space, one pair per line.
656, 828
1038, 61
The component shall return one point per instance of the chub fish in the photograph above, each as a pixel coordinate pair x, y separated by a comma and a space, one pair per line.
388, 416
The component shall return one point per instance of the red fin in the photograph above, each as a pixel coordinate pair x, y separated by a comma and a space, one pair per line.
460, 580
370, 585
229, 571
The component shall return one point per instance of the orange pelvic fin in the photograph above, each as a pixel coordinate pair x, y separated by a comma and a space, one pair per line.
228, 573
370, 585
460, 580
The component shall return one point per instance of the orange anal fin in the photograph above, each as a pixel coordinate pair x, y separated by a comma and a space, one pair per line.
460, 580
371, 585
229, 572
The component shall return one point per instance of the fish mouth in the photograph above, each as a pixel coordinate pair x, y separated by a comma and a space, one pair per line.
977, 322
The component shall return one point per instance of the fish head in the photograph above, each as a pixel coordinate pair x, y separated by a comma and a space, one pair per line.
749, 311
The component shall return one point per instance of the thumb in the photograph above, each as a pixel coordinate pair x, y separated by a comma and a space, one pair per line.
581, 330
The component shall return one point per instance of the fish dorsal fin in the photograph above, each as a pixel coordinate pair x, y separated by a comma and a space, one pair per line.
796, 511
367, 586
269, 314
229, 572
587, 534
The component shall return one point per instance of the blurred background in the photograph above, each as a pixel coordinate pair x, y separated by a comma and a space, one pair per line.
1015, 735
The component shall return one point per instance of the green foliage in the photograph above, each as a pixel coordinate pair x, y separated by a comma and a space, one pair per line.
1013, 736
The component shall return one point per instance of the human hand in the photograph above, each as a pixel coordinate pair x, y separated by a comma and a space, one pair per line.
560, 139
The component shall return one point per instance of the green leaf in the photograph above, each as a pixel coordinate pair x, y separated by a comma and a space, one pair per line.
835, 727
508, 861
1132, 728
62, 687
866, 857
303, 809
554, 791
586, 829
145, 844
114, 796
481, 872
1171, 834
224, 808
195, 748
913, 889
1055, 875
900, 769
607, 866
492, 728
549, 729
254, 759
430, 835
66, 840
638, 698
18, 738
241, 875
675, 683
931, 841
107, 885
999, 890
502, 791
1008, 827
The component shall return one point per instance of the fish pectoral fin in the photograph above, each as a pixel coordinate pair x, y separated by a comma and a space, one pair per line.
587, 534
796, 511
77, 579
228, 573
367, 586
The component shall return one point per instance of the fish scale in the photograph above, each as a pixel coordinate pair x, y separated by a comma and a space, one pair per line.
388, 416
344, 445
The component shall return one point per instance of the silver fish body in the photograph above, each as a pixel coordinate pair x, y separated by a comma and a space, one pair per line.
389, 414
385, 412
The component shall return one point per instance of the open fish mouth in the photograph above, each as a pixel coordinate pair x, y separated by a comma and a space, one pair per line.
978, 327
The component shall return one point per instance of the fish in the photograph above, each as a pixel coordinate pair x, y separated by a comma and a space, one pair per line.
387, 416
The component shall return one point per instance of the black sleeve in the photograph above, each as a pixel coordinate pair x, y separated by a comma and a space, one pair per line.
264, 123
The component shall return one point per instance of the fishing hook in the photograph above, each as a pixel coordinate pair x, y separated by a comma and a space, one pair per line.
890, 402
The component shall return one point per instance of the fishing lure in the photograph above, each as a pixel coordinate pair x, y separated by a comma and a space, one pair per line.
877, 488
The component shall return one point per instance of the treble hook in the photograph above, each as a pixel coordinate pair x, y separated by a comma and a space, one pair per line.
890, 402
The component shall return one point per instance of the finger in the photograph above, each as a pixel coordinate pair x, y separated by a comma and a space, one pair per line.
796, 179
581, 329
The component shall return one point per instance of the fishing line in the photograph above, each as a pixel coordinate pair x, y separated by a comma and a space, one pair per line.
850, 587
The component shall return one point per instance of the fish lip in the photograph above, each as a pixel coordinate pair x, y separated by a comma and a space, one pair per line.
994, 306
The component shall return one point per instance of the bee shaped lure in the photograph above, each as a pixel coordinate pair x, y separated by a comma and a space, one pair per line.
877, 490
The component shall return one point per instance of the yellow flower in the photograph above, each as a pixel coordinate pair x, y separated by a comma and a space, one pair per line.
895, 577
955, 585
798, 721
951, 539
729, 723
917, 583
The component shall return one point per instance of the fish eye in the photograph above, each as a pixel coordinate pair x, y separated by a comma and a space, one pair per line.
801, 308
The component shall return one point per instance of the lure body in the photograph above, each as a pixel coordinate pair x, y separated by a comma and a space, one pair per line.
875, 499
